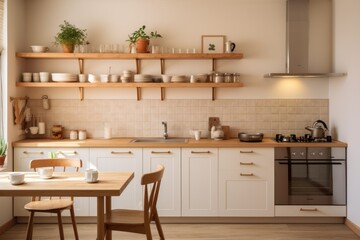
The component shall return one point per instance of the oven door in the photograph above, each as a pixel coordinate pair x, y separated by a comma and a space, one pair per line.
310, 182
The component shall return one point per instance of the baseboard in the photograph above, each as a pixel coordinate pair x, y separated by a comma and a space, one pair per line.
355, 228
7, 225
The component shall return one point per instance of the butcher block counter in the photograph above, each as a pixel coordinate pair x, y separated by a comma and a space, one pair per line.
129, 142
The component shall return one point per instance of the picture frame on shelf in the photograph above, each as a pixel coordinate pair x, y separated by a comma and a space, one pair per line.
212, 43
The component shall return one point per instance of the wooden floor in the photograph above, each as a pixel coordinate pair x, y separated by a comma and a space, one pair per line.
199, 232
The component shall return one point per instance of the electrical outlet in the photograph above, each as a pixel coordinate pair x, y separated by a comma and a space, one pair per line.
213, 121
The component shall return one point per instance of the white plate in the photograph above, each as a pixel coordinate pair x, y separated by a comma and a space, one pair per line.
64, 77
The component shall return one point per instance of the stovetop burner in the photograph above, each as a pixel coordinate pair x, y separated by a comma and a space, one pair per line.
305, 138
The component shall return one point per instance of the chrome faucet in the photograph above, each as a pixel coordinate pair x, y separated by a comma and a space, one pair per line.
165, 134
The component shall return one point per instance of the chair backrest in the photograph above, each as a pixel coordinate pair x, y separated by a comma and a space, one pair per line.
57, 162
147, 179
65, 163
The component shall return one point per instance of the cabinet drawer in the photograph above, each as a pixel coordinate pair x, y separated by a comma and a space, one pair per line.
310, 211
245, 158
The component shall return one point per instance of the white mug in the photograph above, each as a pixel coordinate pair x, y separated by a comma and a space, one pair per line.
91, 175
197, 134
16, 178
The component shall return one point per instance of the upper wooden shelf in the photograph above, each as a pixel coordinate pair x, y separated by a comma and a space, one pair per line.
130, 55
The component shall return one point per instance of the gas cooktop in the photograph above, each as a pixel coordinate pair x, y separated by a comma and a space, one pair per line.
305, 138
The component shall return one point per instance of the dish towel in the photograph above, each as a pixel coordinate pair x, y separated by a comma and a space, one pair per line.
19, 106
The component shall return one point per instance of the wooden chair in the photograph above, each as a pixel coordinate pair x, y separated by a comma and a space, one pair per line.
138, 221
56, 205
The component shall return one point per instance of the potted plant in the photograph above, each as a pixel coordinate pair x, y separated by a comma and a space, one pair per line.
70, 36
3, 149
141, 39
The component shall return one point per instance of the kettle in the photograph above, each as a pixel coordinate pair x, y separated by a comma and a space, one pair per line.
318, 129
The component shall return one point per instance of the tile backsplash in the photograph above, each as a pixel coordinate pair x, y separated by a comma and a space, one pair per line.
129, 118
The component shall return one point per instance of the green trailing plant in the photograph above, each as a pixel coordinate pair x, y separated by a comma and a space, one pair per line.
70, 34
141, 34
3, 147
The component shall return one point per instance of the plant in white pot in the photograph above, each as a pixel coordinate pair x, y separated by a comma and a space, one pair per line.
70, 36
3, 149
141, 39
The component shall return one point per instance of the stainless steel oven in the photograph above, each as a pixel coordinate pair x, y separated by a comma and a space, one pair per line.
310, 176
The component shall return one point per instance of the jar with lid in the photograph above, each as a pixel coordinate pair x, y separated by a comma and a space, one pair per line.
56, 132
227, 77
73, 135
211, 76
82, 134
236, 77
219, 77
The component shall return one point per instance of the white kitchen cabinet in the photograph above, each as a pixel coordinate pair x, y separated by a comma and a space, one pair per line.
169, 203
120, 160
199, 181
22, 158
246, 182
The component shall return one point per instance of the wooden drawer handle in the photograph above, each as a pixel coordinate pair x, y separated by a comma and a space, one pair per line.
67, 152
246, 174
26, 152
246, 163
128, 152
161, 152
199, 152
308, 209
251, 151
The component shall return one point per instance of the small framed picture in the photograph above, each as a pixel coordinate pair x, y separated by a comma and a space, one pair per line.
212, 43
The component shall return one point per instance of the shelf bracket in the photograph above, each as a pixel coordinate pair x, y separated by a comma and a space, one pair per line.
162, 65
81, 65
81, 89
213, 93
213, 65
162, 93
138, 65
138, 93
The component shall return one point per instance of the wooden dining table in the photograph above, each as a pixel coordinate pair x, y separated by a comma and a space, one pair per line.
71, 184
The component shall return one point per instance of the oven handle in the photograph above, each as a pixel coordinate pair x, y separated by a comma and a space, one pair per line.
310, 163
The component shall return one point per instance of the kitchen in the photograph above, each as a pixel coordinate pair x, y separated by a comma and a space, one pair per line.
248, 108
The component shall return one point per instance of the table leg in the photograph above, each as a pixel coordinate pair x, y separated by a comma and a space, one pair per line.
108, 210
100, 217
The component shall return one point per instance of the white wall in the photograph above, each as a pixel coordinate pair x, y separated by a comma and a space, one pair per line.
14, 35
256, 26
344, 95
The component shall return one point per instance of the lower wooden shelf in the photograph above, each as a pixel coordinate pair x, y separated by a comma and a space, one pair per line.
138, 86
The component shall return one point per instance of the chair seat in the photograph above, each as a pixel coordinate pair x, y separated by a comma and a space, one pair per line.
49, 204
124, 217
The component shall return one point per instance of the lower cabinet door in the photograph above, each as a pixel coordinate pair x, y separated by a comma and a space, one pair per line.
245, 195
199, 182
168, 203
310, 211
120, 160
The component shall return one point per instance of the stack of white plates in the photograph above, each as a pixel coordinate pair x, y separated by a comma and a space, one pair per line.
64, 77
179, 79
143, 78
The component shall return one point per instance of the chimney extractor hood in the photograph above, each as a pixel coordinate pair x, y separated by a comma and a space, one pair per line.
308, 40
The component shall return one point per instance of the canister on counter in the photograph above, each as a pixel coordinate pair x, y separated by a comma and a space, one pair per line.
82, 134
73, 135
57, 132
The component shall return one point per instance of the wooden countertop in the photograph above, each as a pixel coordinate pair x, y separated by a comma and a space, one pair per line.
191, 143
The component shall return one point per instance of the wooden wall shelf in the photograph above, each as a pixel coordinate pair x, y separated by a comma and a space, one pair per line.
138, 86
138, 57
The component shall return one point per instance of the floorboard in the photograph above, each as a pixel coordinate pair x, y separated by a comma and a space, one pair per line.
199, 232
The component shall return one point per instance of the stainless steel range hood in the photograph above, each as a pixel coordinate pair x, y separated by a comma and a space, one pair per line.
308, 40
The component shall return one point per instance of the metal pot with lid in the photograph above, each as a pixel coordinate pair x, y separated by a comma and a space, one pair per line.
318, 129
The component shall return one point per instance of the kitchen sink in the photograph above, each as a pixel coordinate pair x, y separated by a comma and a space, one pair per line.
159, 140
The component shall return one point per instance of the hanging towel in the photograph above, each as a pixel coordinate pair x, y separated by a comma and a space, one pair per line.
19, 106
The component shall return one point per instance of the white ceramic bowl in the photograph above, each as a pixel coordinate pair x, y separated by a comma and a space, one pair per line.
93, 78
45, 172
34, 130
39, 49
166, 78
104, 78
